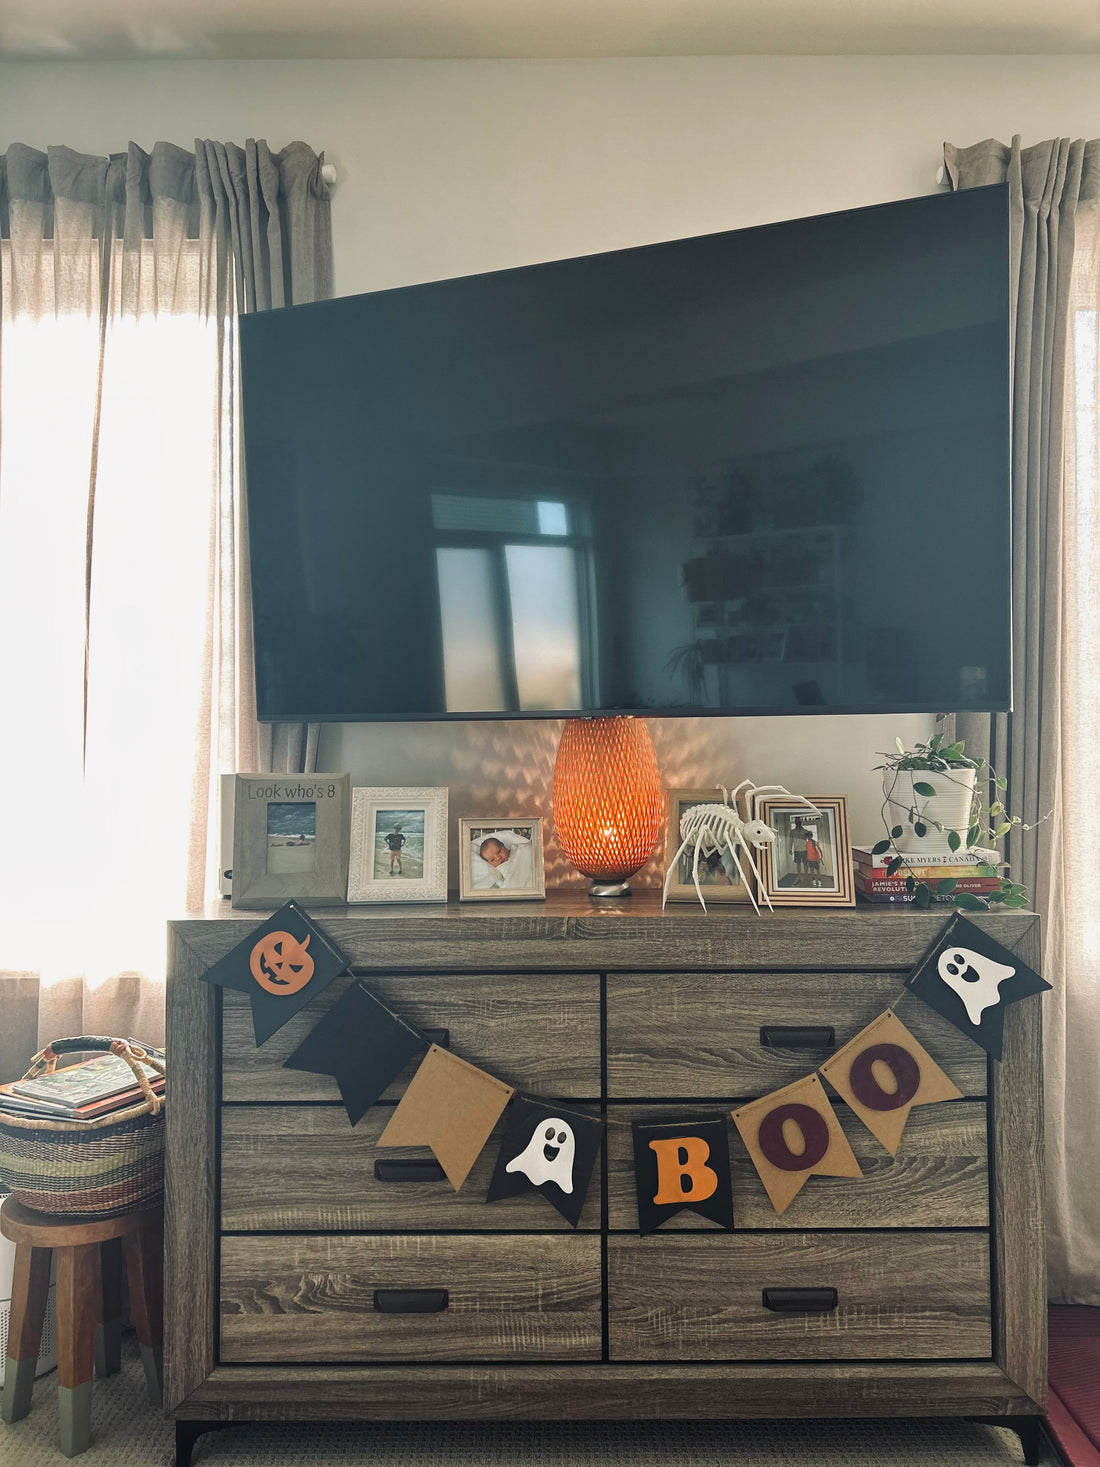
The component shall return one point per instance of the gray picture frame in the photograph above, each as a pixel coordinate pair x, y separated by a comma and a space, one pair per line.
258, 884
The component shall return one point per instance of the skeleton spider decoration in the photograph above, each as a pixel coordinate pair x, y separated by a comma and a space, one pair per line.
720, 829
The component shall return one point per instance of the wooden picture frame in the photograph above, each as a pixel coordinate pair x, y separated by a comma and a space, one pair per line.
715, 880
488, 879
290, 840
790, 877
398, 844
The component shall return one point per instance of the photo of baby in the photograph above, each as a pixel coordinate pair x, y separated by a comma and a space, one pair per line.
500, 859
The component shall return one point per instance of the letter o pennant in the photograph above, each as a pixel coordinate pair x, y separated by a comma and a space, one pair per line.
883, 1073
792, 1135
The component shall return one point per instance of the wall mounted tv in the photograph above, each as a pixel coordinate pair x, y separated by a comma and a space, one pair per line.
763, 471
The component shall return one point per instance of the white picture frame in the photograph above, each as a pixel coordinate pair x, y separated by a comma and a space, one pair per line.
482, 881
398, 844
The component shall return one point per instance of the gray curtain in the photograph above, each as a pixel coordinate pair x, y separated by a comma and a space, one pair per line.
1053, 190
122, 518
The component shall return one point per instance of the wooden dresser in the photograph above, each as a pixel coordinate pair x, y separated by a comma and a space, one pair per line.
281, 1227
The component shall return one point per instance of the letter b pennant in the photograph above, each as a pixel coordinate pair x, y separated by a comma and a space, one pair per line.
682, 1163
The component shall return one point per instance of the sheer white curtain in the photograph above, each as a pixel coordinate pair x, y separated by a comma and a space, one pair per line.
124, 643
1073, 1019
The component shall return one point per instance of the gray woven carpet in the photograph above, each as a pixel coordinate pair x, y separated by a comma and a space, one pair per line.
128, 1433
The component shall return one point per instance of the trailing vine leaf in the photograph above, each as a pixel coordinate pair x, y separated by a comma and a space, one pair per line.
954, 839
895, 832
892, 866
882, 845
922, 787
923, 895
920, 828
946, 885
969, 902
910, 883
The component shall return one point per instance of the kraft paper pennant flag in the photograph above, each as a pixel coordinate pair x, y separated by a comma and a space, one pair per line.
682, 1164
450, 1106
882, 1073
792, 1135
547, 1149
282, 965
970, 979
362, 1044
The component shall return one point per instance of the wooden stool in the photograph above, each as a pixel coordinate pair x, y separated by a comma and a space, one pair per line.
89, 1307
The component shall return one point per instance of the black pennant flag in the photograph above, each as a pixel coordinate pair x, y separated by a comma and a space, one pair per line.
282, 965
970, 979
362, 1044
547, 1149
682, 1163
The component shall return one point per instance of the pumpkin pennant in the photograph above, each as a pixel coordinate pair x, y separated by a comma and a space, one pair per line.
282, 965
362, 1045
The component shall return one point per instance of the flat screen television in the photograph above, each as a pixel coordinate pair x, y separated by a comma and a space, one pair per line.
762, 471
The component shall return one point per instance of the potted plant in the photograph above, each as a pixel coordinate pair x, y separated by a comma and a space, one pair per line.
933, 807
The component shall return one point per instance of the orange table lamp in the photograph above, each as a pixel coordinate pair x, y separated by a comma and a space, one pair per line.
608, 805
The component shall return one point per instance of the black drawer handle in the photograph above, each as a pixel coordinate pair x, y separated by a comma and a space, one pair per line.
799, 1301
416, 1170
410, 1301
442, 1037
797, 1036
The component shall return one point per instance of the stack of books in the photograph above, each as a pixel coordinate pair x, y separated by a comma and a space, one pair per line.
78, 1092
970, 871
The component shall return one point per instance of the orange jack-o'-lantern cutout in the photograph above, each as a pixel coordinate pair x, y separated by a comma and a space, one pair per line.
280, 963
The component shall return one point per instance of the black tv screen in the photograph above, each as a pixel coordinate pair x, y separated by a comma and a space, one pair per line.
761, 471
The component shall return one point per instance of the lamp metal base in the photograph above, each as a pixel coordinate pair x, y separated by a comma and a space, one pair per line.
612, 889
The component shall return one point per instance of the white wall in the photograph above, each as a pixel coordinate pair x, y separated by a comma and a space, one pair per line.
451, 167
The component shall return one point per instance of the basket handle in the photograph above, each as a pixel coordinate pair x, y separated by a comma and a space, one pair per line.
135, 1055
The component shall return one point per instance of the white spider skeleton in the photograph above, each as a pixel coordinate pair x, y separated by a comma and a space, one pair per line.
720, 829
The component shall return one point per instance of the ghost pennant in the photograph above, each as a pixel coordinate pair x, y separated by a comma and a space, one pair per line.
792, 1135
682, 1163
547, 1149
362, 1045
450, 1106
969, 978
282, 965
883, 1073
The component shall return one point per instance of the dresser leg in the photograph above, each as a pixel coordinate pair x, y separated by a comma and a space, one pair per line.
188, 1433
1028, 1428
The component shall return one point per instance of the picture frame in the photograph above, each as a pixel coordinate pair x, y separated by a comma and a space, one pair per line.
398, 844
487, 878
290, 840
791, 877
715, 880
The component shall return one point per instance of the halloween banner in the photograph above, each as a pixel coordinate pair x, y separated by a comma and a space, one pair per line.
547, 1149
450, 1106
882, 1073
970, 979
362, 1045
792, 1135
282, 965
682, 1164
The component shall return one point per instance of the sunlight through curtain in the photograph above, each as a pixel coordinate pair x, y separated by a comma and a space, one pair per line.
124, 641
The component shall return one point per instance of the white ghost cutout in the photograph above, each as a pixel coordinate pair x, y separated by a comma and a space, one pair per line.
548, 1156
982, 988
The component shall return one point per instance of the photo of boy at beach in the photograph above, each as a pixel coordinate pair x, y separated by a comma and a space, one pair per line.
291, 837
398, 845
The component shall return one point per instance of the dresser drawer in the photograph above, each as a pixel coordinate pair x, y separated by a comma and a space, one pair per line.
536, 1032
314, 1299
939, 1178
906, 1296
302, 1168
680, 1035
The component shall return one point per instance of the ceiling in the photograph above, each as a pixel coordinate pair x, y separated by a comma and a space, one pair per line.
87, 30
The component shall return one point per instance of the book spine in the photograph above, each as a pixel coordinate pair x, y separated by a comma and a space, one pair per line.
923, 869
882, 898
962, 883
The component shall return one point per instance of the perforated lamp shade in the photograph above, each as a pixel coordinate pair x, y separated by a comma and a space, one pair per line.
608, 804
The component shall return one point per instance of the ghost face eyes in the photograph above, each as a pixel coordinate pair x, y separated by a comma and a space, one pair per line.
958, 967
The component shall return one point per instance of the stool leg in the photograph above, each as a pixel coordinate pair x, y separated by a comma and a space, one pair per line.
145, 1273
108, 1334
30, 1291
79, 1300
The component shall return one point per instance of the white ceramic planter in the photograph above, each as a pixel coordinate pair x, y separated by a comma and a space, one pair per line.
950, 805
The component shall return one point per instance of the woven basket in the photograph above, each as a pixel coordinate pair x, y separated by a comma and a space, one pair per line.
88, 1169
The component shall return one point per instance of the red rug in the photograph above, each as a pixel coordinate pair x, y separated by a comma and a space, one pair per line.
1073, 1415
